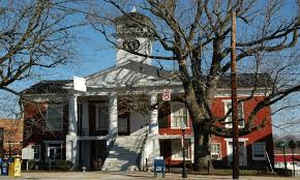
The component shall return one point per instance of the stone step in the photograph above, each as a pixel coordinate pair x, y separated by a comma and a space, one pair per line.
123, 154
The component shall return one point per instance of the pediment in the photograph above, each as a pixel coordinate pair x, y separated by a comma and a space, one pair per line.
128, 74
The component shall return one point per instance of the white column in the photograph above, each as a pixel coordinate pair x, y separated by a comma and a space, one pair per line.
113, 116
73, 115
71, 138
154, 117
152, 148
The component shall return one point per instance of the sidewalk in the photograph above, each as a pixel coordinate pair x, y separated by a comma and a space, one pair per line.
171, 176
127, 176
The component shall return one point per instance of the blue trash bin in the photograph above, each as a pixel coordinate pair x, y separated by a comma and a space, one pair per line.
4, 169
0, 166
159, 167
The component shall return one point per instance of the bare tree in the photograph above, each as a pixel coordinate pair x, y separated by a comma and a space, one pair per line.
195, 34
35, 35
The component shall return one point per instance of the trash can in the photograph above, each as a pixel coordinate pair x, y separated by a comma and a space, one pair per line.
0, 166
17, 167
4, 168
159, 167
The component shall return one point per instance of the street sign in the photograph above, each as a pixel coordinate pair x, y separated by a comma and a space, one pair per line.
166, 96
79, 84
28, 153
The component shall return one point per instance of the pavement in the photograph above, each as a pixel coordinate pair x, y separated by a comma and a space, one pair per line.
126, 176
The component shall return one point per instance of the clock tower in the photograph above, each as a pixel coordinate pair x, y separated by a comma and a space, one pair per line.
133, 36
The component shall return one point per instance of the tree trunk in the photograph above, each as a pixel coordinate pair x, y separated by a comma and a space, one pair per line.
202, 160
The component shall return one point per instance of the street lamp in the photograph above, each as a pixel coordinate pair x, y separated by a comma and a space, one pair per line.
183, 127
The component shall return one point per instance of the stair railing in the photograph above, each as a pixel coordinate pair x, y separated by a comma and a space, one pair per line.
141, 155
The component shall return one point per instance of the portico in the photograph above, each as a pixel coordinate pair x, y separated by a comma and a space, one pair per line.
95, 121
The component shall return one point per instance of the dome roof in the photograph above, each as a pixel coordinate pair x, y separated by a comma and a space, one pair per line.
134, 24
133, 18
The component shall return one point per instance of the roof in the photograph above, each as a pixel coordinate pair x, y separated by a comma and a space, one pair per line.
48, 87
245, 80
129, 17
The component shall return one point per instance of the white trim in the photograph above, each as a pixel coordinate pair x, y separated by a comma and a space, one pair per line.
253, 154
240, 139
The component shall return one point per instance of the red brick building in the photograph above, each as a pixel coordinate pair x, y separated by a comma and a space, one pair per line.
84, 121
49, 137
11, 137
256, 148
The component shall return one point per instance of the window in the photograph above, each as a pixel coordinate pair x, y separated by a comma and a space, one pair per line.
179, 115
215, 151
54, 120
36, 151
242, 153
258, 151
55, 151
101, 116
176, 148
228, 120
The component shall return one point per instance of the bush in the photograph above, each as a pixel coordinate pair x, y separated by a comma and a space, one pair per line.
31, 164
63, 165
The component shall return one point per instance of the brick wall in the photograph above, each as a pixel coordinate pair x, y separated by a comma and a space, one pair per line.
35, 130
13, 136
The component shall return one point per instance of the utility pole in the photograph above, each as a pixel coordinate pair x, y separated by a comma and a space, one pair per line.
235, 128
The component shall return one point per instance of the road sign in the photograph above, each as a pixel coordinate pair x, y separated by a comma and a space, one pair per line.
28, 153
79, 84
166, 96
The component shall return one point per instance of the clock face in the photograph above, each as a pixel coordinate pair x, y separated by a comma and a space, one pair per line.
131, 44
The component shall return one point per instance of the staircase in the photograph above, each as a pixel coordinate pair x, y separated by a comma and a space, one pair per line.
124, 154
